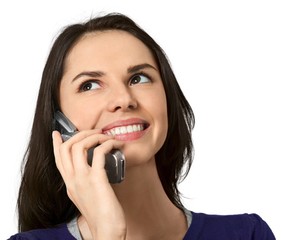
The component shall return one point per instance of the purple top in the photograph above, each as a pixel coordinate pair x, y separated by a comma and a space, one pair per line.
231, 227
203, 227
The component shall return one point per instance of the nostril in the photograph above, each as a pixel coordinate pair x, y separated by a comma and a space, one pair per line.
117, 108
132, 106
124, 107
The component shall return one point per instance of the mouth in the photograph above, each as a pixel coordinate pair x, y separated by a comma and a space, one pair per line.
127, 129
134, 128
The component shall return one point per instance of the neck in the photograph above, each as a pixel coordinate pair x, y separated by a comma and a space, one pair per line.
142, 189
148, 211
147, 207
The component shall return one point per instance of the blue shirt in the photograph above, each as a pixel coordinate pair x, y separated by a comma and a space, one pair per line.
203, 227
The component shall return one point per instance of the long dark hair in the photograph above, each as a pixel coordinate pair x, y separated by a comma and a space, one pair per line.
42, 200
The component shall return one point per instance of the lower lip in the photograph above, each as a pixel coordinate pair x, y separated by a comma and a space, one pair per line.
130, 136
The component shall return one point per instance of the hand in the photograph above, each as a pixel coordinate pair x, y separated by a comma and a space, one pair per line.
88, 187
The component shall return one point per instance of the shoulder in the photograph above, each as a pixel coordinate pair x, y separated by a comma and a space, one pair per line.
240, 226
56, 233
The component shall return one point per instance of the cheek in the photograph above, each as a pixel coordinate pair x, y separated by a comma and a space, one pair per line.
163, 126
161, 118
161, 109
82, 114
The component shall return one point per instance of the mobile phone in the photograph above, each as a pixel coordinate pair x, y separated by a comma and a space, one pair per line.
114, 161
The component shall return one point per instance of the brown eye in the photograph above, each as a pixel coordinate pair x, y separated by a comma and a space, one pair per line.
139, 79
89, 85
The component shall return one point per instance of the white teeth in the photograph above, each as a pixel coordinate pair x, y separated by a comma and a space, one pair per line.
129, 129
125, 129
134, 128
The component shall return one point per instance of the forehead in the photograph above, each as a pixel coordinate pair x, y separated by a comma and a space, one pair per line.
108, 47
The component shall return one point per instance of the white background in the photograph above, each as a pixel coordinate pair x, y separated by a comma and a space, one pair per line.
227, 56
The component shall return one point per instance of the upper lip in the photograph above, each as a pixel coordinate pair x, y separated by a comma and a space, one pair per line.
125, 122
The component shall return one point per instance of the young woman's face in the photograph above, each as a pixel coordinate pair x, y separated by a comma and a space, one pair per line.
112, 82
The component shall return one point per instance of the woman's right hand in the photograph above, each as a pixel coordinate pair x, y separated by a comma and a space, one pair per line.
88, 187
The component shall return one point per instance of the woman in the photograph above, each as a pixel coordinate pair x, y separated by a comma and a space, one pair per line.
115, 84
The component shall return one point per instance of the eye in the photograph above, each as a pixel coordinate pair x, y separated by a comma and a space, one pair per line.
140, 79
89, 85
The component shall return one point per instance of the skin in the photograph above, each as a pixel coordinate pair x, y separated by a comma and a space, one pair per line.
125, 88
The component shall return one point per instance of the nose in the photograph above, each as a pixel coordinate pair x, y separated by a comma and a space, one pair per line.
122, 99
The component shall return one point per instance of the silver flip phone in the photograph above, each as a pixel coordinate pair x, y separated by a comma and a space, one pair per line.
115, 160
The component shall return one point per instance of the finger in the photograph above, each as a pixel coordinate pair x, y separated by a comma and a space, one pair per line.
57, 141
98, 162
80, 151
64, 154
82, 135
59, 152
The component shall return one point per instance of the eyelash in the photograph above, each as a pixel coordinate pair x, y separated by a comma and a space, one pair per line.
140, 74
83, 84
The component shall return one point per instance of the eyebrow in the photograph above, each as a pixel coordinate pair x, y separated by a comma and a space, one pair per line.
139, 67
93, 74
96, 74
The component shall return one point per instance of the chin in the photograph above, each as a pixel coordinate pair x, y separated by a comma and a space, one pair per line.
137, 158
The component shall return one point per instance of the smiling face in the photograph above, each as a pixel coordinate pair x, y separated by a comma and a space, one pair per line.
112, 82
